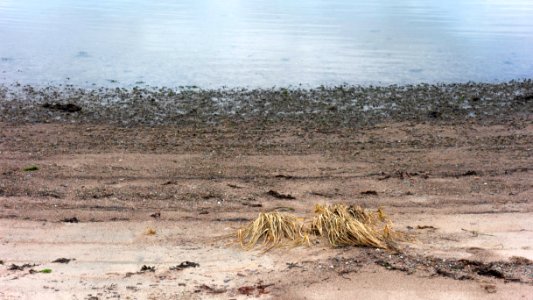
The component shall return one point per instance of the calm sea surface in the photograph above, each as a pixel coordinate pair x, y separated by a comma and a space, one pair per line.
252, 43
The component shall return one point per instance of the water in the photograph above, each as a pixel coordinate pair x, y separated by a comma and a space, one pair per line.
252, 43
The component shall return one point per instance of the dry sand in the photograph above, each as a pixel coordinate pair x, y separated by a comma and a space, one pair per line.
462, 190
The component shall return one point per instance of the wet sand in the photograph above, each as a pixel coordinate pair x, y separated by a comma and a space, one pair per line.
460, 186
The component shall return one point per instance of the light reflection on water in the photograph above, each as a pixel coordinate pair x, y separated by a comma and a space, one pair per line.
212, 43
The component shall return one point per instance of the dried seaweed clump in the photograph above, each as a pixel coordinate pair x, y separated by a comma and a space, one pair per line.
341, 225
344, 225
273, 229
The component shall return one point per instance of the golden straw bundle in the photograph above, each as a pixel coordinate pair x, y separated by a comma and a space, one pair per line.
340, 224
346, 225
272, 229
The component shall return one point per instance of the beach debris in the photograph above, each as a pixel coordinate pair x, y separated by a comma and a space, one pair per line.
400, 174
469, 173
63, 260
490, 270
210, 289
45, 271
246, 290
370, 192
15, 267
476, 233
259, 288
234, 186
434, 114
146, 268
237, 219
283, 209
71, 220
490, 288
284, 176
150, 231
30, 169
341, 225
279, 195
252, 204
457, 275
293, 265
322, 194
426, 227
69, 107
184, 265
519, 260
525, 98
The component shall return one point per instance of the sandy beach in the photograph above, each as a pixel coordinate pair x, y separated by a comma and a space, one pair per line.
141, 195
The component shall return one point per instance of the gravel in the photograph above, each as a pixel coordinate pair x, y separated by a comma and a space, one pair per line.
323, 106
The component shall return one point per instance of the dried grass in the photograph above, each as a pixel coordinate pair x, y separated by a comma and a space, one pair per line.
273, 229
339, 224
150, 231
344, 225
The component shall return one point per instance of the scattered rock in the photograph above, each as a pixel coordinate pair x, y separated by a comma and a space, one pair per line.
156, 215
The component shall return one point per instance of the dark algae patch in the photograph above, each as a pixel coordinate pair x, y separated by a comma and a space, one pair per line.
279, 195
459, 269
69, 107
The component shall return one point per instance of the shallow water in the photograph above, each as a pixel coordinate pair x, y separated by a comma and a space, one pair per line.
214, 43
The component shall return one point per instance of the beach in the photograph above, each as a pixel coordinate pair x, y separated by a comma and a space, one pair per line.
117, 179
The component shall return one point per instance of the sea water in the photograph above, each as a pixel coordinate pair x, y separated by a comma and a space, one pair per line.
252, 43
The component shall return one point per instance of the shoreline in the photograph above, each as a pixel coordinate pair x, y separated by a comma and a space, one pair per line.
343, 106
